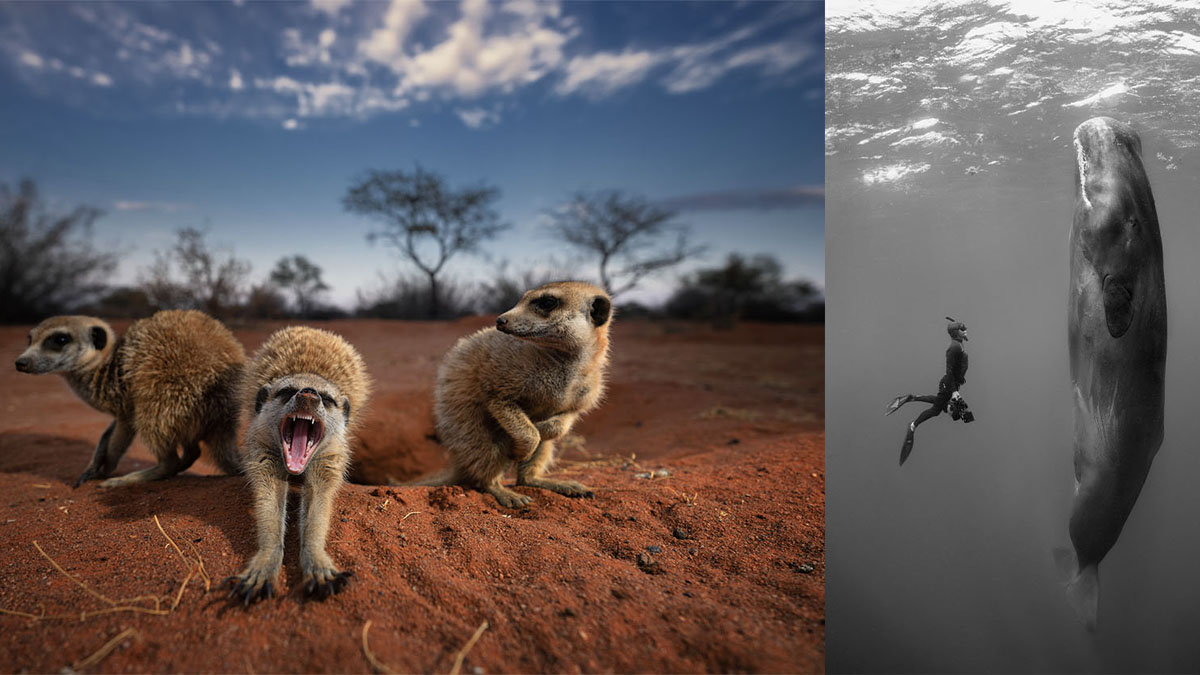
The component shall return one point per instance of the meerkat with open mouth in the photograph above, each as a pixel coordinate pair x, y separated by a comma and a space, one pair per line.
306, 389
505, 394
171, 378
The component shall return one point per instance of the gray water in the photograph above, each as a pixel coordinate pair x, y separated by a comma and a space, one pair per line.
944, 565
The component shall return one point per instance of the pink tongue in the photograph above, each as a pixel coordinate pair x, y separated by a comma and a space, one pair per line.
299, 444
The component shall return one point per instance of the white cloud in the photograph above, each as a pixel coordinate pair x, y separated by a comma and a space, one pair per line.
488, 50
235, 80
600, 74
476, 118
330, 7
291, 124
31, 59
386, 44
161, 207
101, 80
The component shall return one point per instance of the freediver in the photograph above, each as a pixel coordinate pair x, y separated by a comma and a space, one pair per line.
947, 399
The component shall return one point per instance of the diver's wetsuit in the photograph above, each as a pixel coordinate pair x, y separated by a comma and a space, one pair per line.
955, 377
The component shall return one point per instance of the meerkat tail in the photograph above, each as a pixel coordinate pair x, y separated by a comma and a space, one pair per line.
447, 476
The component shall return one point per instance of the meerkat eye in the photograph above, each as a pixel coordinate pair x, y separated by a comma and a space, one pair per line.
286, 393
58, 340
328, 400
546, 303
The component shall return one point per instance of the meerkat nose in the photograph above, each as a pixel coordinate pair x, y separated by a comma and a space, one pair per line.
501, 322
22, 364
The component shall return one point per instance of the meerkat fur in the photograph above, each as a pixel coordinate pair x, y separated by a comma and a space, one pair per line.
505, 394
304, 390
172, 379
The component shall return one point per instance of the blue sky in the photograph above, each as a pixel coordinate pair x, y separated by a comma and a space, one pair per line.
251, 119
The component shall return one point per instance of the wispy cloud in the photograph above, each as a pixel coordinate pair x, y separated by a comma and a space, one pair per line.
153, 207
339, 59
477, 118
753, 199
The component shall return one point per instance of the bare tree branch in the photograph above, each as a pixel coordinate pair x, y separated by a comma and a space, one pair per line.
625, 233
416, 207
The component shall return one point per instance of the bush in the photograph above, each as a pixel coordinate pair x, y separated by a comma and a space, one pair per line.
751, 289
47, 264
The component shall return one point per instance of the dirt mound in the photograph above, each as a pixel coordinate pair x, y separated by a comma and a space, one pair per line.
703, 549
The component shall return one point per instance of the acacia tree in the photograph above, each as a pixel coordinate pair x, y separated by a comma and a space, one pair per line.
424, 219
210, 283
630, 235
302, 278
47, 265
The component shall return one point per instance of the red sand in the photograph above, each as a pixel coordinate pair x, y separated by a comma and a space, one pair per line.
736, 417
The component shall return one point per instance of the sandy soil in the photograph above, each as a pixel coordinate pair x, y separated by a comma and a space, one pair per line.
718, 566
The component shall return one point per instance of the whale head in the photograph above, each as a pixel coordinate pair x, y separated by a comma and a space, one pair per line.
1115, 219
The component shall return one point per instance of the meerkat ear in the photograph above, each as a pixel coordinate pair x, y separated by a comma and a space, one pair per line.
99, 337
601, 310
260, 399
346, 408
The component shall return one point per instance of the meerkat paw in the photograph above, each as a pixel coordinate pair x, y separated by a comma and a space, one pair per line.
508, 498
252, 585
156, 472
568, 488
92, 473
325, 581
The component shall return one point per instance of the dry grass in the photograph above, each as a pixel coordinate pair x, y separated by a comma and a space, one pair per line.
141, 604
102, 653
462, 653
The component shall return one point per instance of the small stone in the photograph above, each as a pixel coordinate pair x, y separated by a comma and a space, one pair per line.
654, 549
649, 565
679, 533
733, 441
477, 670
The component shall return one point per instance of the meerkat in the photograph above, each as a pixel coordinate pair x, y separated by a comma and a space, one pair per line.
305, 390
504, 394
172, 379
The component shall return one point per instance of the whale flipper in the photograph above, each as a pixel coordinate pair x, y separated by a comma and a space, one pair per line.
1083, 594
1083, 586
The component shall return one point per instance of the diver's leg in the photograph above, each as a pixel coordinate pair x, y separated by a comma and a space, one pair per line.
930, 413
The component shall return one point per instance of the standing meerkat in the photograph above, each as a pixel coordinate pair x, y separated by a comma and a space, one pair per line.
306, 389
505, 394
172, 379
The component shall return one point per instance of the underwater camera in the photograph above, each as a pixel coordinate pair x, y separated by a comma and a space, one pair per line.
958, 410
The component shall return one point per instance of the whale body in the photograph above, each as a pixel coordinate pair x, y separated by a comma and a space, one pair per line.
1118, 347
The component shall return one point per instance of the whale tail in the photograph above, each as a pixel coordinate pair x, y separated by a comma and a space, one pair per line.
1083, 586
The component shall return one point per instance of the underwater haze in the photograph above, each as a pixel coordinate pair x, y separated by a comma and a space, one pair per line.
950, 191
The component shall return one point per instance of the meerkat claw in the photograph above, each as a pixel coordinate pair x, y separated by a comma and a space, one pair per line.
322, 588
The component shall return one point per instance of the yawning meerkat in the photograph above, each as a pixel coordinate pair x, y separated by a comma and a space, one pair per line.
305, 389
